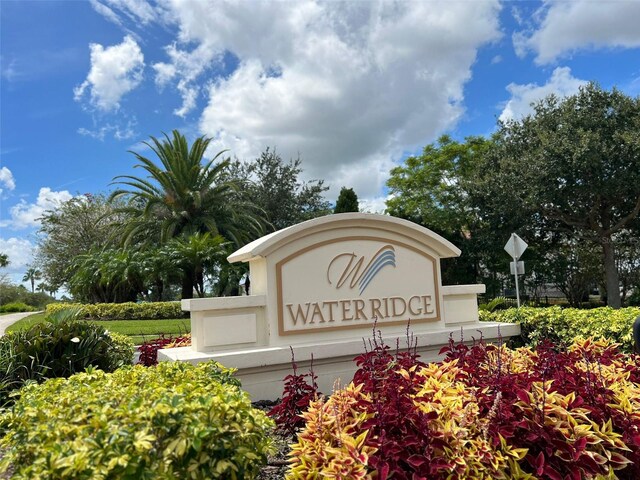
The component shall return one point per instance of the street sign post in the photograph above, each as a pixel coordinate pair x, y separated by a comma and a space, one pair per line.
520, 267
515, 247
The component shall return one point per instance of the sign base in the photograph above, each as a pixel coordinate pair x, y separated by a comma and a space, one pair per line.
262, 370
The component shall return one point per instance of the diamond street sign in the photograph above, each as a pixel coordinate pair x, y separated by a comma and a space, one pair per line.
515, 246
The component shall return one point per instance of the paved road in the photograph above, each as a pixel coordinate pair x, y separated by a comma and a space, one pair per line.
10, 319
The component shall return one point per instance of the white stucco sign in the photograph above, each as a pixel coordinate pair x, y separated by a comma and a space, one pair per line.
353, 281
319, 287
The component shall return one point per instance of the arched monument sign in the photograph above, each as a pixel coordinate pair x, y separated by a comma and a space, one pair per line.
319, 287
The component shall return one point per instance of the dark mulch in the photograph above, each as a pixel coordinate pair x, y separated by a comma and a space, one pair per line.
277, 465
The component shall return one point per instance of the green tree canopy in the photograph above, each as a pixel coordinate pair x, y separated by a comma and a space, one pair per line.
347, 201
195, 254
276, 188
432, 190
184, 195
77, 227
32, 275
572, 167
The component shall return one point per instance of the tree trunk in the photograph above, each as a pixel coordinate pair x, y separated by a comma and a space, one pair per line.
159, 290
611, 273
199, 283
187, 285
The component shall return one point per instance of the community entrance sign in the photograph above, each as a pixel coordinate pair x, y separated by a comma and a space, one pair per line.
349, 282
320, 287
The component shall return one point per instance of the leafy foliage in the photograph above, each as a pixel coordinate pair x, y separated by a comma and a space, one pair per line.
59, 347
300, 390
484, 412
182, 195
334, 426
570, 169
149, 350
498, 303
10, 293
275, 187
122, 311
347, 201
110, 275
195, 254
172, 421
432, 190
16, 307
563, 326
32, 275
76, 227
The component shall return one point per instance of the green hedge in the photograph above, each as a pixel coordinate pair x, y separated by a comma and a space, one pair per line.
14, 307
563, 325
173, 421
58, 348
123, 311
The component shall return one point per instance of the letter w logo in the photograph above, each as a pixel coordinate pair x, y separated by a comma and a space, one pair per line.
354, 271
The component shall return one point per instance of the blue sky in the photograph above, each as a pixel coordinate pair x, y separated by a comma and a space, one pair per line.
352, 87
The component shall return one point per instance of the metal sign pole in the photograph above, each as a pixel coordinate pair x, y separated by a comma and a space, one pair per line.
515, 247
515, 260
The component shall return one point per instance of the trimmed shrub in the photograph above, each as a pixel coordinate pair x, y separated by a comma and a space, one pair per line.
124, 311
173, 421
562, 325
149, 350
10, 293
58, 348
485, 412
15, 307
300, 389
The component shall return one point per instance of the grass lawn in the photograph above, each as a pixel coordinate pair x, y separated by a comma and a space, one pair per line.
138, 330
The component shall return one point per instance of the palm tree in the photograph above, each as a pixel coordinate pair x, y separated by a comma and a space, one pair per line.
195, 255
183, 195
31, 275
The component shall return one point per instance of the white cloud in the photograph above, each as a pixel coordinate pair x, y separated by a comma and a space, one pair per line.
188, 67
350, 86
119, 131
561, 83
115, 71
6, 179
138, 11
565, 27
106, 12
9, 69
373, 205
24, 215
19, 251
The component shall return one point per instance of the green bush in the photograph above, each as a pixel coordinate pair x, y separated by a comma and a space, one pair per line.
58, 348
172, 421
563, 325
123, 311
16, 307
10, 293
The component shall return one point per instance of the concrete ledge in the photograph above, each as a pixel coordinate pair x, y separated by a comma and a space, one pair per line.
262, 370
223, 303
463, 289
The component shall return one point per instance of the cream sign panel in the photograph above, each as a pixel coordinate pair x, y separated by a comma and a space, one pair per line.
353, 282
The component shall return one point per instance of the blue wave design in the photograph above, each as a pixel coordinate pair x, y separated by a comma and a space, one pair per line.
384, 258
